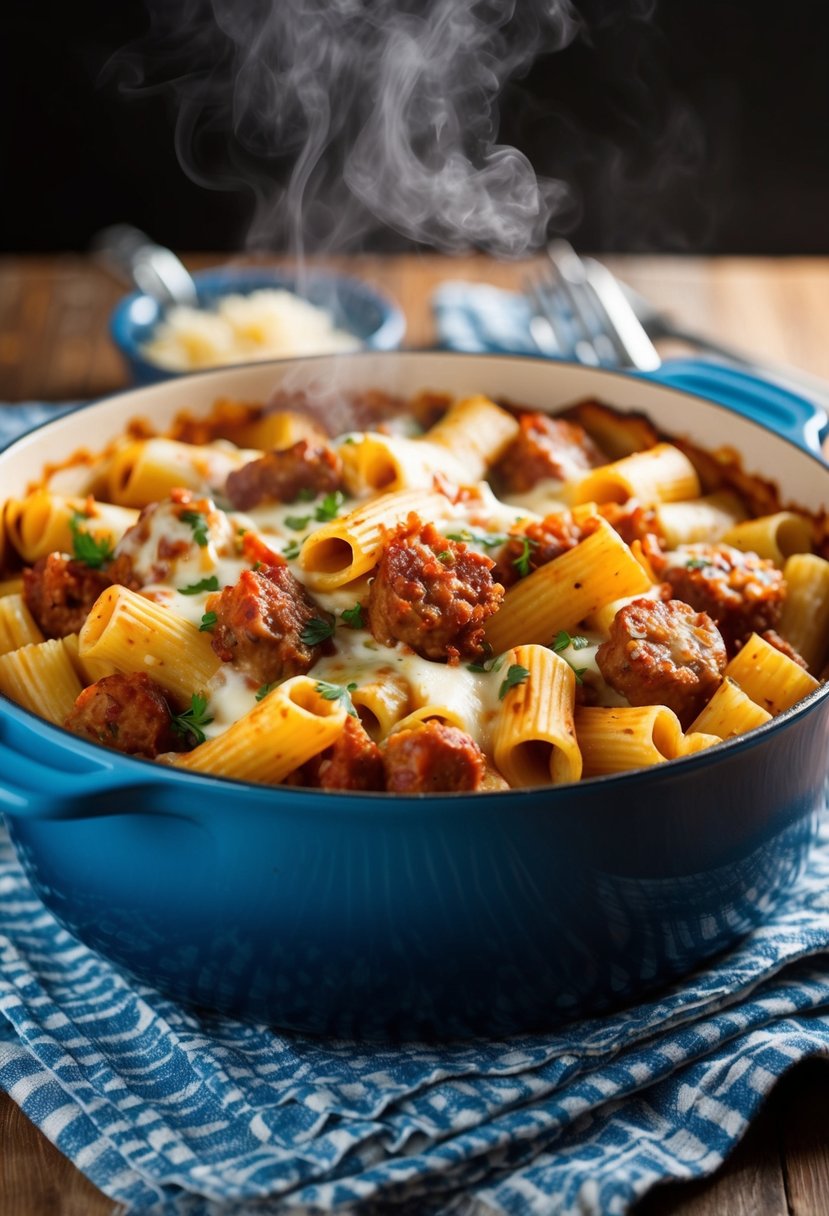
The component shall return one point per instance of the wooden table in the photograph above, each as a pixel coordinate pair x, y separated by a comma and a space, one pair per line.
54, 346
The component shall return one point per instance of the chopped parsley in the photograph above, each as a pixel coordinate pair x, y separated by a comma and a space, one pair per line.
564, 641
264, 689
522, 562
208, 622
696, 563
317, 630
198, 522
330, 506
306, 494
207, 584
93, 552
353, 617
445, 556
291, 550
515, 675
297, 522
489, 540
189, 724
336, 692
493, 664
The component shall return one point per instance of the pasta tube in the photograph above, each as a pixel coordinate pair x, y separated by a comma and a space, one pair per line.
42, 522
136, 634
146, 470
769, 677
384, 463
284, 730
615, 740
659, 474
40, 677
350, 546
534, 741
701, 519
476, 431
775, 537
558, 595
729, 712
17, 625
805, 619
381, 704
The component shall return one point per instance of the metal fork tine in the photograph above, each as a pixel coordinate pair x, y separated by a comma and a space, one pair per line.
572, 280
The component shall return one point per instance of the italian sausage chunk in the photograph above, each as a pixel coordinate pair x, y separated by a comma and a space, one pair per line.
128, 713
742, 592
353, 762
663, 653
545, 448
431, 759
280, 476
260, 622
432, 593
59, 592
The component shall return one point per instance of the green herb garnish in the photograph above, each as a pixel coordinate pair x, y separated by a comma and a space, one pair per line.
336, 692
696, 563
564, 641
93, 552
190, 723
297, 522
207, 584
494, 664
317, 630
522, 562
306, 494
330, 506
208, 622
198, 522
291, 550
445, 556
515, 675
489, 540
353, 617
264, 689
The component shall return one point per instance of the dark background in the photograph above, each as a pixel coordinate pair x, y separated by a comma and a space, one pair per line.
701, 127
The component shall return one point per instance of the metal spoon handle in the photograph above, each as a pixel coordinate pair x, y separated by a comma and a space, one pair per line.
132, 257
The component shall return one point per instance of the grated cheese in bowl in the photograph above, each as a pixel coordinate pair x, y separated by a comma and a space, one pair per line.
266, 324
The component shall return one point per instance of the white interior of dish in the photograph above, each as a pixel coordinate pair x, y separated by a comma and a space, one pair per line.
801, 478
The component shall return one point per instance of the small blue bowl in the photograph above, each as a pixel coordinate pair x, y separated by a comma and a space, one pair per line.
373, 318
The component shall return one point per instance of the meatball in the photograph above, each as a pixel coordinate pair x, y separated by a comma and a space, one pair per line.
353, 762
59, 592
662, 652
282, 475
432, 759
261, 622
742, 592
540, 542
432, 593
545, 448
128, 713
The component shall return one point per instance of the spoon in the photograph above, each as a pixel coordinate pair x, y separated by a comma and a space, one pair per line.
130, 256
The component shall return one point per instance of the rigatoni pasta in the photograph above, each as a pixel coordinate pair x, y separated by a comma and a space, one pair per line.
479, 602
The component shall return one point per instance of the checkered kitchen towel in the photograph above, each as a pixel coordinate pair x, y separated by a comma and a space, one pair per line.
174, 1111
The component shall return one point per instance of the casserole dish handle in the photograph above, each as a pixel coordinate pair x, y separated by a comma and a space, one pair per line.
46, 778
789, 414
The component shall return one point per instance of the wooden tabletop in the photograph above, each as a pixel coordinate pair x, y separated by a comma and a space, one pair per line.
54, 346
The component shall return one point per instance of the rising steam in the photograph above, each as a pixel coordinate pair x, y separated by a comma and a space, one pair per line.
345, 116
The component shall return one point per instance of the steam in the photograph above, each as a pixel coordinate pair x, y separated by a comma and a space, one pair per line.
347, 116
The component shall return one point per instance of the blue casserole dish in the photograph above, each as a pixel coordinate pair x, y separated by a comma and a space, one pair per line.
370, 916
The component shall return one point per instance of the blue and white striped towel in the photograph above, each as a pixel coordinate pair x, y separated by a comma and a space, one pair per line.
477, 317
182, 1112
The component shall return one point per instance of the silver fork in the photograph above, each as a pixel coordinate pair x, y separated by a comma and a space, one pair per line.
581, 312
